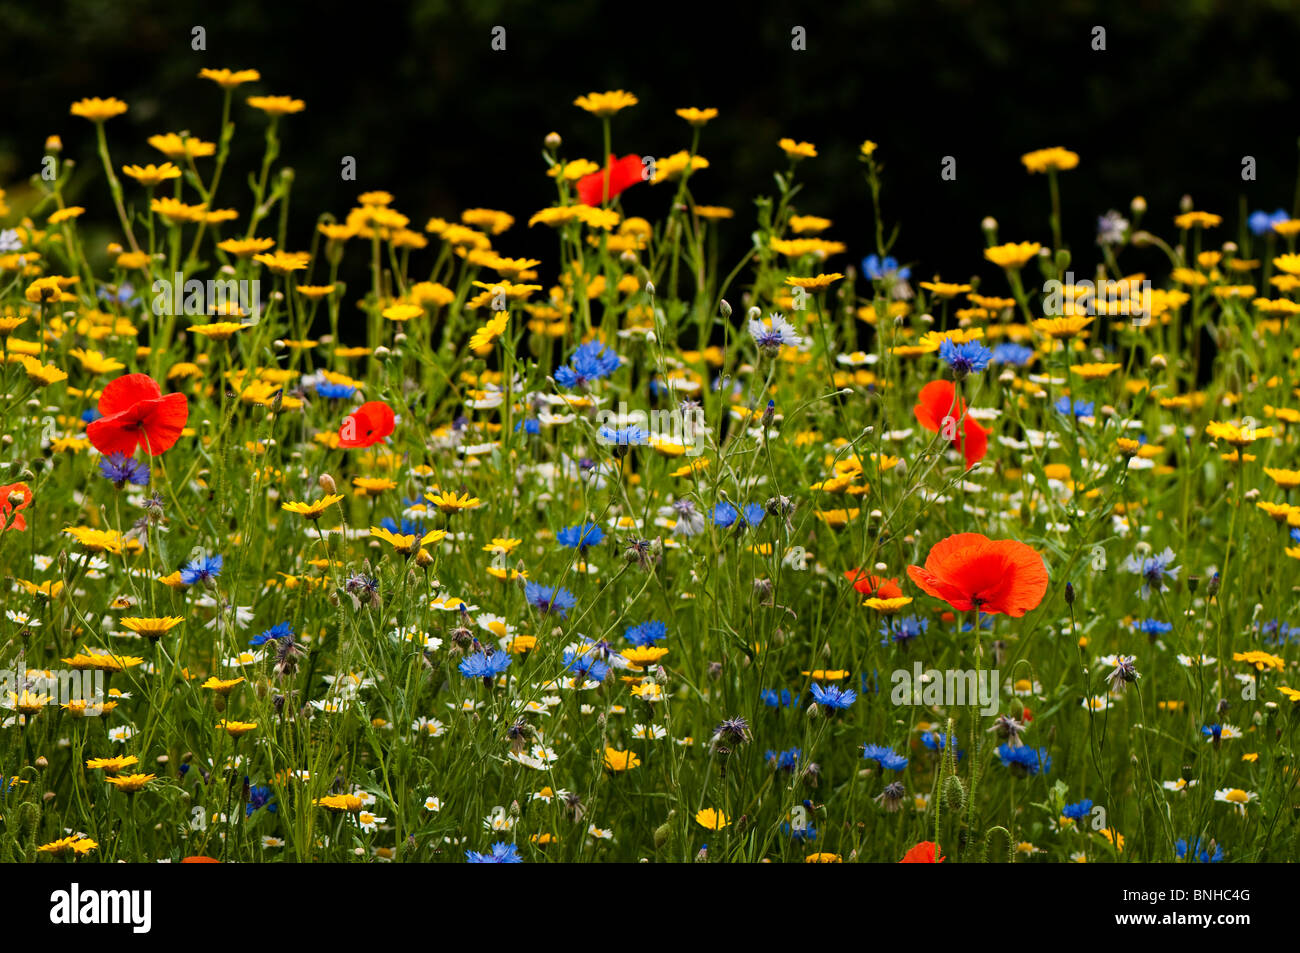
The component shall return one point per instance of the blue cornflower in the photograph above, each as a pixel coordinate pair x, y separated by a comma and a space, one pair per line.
586, 664
624, 436
1017, 355
1153, 570
1077, 811
1261, 223
1081, 408
201, 570
808, 832
1025, 760
405, 528
90, 415
546, 599
893, 762
967, 358
580, 537
886, 757
500, 854
726, 514
591, 362
121, 470
782, 699
530, 425
484, 665
1213, 731
937, 740
773, 334
334, 391
833, 697
260, 796
1200, 854
903, 630
647, 633
1151, 626
280, 631
125, 294
784, 760
876, 268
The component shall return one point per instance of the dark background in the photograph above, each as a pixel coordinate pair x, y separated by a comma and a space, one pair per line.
1184, 89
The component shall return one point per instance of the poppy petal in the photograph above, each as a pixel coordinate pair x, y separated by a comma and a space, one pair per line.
116, 434
122, 392
163, 422
623, 173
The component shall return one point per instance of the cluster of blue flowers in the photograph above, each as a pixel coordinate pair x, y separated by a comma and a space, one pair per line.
646, 633
121, 470
580, 537
500, 853
887, 758
833, 697
784, 760
591, 362
547, 599
967, 358
726, 514
280, 631
484, 664
1032, 760
201, 570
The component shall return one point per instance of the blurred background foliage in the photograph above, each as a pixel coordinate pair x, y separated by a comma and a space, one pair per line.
414, 91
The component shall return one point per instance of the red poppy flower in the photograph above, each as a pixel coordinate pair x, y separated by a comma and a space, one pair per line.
623, 173
1027, 715
997, 575
926, 852
200, 859
369, 424
136, 414
876, 586
938, 401
19, 521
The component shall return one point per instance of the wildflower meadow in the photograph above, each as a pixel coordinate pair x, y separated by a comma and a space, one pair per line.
627, 550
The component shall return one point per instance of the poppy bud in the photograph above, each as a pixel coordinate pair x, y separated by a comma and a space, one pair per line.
327, 483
